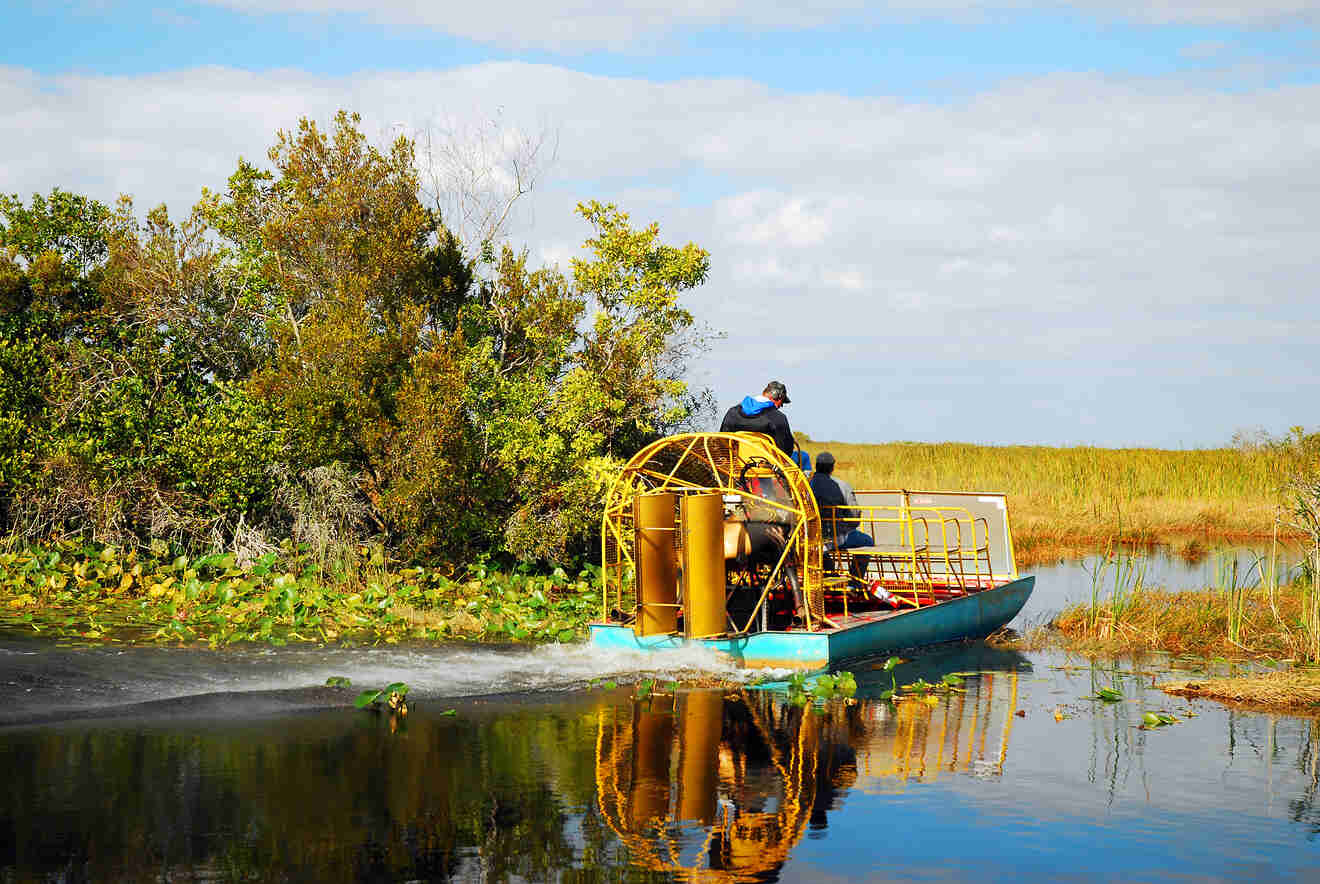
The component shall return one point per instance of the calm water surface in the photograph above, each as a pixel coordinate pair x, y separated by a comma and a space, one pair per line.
169, 764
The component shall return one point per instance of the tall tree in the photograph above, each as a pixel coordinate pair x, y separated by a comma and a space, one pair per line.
508, 439
346, 268
620, 382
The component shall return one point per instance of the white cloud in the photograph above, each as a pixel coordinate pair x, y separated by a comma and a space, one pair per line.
775, 220
847, 280
637, 24
1052, 238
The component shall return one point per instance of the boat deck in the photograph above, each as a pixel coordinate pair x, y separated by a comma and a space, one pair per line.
856, 618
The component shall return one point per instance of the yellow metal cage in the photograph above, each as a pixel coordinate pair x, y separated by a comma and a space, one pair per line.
759, 484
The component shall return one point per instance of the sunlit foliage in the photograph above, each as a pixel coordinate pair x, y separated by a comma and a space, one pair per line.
190, 380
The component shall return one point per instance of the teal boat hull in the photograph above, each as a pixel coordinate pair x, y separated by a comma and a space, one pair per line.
968, 617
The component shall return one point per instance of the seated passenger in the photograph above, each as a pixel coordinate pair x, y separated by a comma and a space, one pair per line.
840, 525
832, 492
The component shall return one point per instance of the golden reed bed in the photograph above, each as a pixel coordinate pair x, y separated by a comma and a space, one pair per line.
1066, 500
1293, 690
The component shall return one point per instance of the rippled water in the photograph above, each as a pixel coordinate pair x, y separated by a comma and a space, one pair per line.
149, 764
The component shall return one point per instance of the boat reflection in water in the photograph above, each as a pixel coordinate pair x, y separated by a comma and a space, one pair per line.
715, 785
720, 787
919, 740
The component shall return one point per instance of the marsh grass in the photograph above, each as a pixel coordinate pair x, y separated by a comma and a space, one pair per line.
1117, 576
1069, 500
1235, 591
1206, 623
1304, 516
1259, 610
1289, 689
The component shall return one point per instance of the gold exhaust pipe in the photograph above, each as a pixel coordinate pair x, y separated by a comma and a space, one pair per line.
704, 613
657, 563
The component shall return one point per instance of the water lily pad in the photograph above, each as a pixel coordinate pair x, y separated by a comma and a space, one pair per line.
1158, 719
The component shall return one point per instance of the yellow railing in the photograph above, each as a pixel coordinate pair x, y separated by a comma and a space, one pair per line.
956, 556
914, 549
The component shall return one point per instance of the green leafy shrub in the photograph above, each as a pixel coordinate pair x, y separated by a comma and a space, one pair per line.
223, 452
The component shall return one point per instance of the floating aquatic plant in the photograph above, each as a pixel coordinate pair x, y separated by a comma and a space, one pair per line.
821, 689
825, 687
101, 593
1157, 719
888, 666
394, 696
948, 684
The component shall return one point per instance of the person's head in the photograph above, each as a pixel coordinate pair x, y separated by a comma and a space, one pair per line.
825, 463
777, 393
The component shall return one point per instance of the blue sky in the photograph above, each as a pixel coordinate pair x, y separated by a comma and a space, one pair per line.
1006, 221
927, 56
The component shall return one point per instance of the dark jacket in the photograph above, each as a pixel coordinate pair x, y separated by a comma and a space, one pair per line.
832, 492
754, 415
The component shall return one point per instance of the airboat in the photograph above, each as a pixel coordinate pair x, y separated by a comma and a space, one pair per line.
715, 540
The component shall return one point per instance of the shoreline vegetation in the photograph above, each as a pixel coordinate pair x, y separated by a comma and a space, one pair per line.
102, 594
361, 593
1291, 690
311, 353
1239, 624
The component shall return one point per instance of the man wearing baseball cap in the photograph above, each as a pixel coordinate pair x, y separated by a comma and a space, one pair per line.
761, 414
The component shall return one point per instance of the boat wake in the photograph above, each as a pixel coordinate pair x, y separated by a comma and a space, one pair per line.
42, 680
477, 671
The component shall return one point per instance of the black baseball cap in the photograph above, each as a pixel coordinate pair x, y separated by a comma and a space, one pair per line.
777, 390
